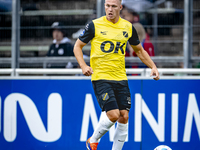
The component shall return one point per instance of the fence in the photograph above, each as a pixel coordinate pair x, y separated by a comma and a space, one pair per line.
77, 73
164, 21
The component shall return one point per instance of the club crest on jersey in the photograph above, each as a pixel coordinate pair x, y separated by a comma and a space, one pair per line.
125, 34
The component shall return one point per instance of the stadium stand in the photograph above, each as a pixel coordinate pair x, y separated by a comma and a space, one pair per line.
38, 15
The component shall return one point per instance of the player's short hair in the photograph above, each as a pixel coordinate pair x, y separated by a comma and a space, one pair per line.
120, 1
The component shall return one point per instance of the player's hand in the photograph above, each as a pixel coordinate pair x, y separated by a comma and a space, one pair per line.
154, 72
87, 71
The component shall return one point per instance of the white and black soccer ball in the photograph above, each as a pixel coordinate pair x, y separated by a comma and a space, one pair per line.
162, 147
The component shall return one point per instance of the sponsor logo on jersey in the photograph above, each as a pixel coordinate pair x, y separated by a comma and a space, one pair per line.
116, 47
103, 32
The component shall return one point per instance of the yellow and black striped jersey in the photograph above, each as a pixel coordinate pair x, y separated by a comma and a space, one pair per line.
108, 45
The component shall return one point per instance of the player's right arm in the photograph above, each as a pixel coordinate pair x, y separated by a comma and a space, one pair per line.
83, 39
87, 71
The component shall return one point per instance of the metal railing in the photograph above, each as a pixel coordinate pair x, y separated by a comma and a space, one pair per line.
36, 48
64, 59
140, 72
10, 72
53, 12
42, 62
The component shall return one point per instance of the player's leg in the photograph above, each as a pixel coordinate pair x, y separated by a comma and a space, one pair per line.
121, 131
103, 126
124, 103
106, 99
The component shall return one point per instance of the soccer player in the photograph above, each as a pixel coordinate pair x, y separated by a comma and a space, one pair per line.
109, 36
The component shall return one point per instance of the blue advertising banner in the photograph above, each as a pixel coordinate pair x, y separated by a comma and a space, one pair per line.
49, 114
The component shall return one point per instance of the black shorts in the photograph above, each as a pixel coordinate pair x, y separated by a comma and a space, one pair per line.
112, 94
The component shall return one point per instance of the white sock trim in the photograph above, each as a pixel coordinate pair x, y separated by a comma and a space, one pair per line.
122, 126
103, 126
121, 133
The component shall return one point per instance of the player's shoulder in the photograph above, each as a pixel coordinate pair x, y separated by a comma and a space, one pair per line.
89, 26
98, 20
94, 21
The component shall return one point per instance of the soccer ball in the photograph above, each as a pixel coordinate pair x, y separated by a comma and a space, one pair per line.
162, 147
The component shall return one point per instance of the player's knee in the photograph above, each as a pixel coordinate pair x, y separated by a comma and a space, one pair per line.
113, 115
114, 118
125, 118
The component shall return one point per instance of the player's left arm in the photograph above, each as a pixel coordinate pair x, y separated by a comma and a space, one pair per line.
146, 59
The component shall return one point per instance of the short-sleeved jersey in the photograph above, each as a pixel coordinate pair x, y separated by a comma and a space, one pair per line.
108, 45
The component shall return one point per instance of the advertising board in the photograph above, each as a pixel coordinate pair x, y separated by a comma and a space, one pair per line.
49, 114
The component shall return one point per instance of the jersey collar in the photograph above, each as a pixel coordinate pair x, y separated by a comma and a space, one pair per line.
105, 19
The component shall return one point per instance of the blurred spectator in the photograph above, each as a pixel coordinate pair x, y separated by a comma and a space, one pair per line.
61, 45
138, 5
144, 38
80, 31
